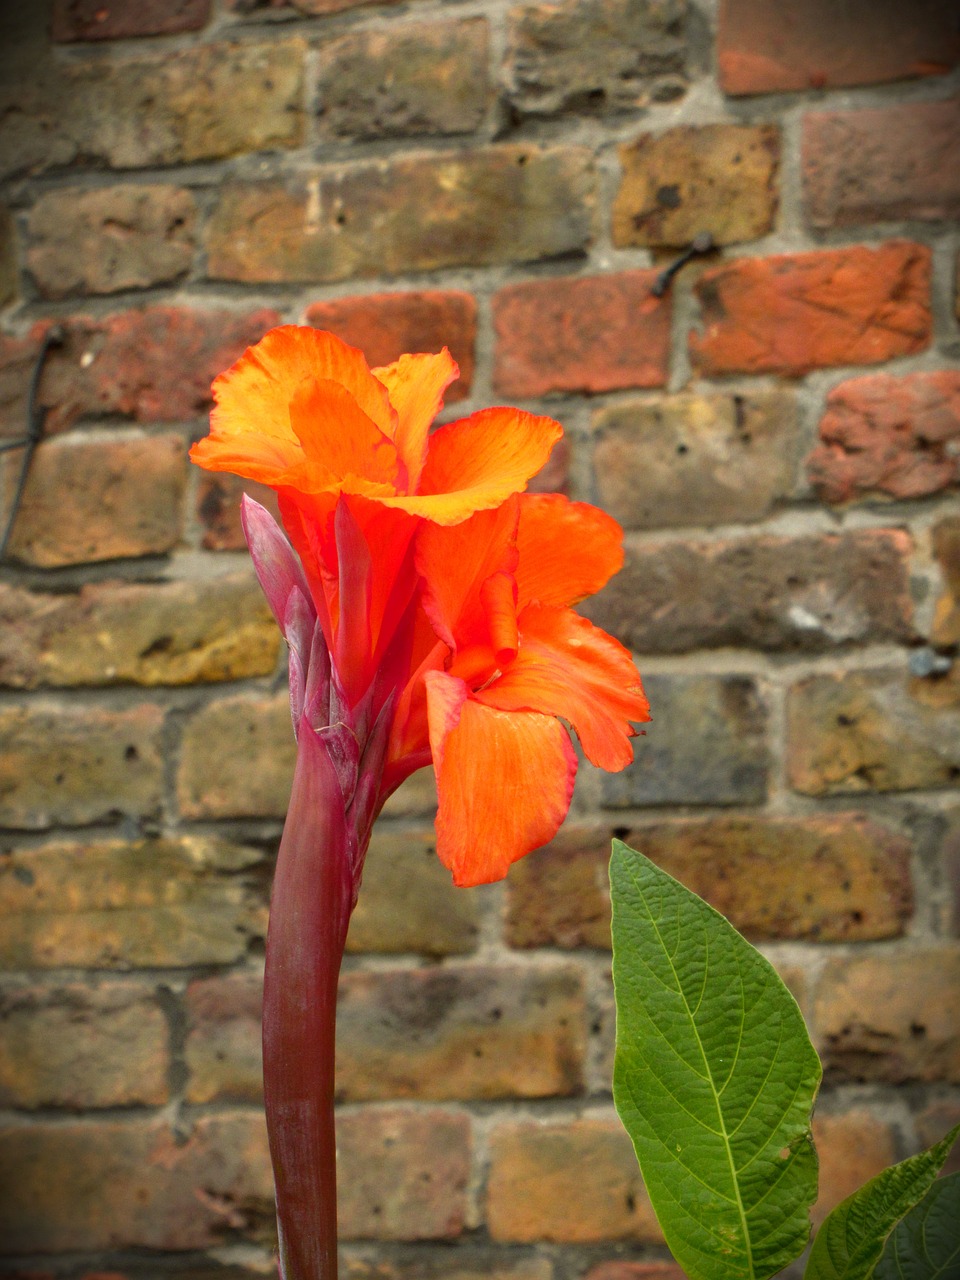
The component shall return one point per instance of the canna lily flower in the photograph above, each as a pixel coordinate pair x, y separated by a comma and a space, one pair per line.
426, 606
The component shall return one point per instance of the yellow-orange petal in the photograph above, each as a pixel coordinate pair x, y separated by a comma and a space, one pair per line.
252, 397
567, 550
454, 562
257, 457
567, 667
339, 440
476, 463
504, 781
415, 384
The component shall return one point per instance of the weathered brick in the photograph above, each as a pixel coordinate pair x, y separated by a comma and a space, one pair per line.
8, 257
152, 365
720, 178
218, 508
706, 459
883, 163
706, 745
816, 43
123, 19
249, 779
131, 1183
883, 434
950, 869
110, 238
594, 56
78, 764
795, 312
402, 1175
425, 78
468, 208
88, 500
114, 633
478, 1032
946, 547
210, 101
408, 902
223, 1045
872, 731
554, 476
415, 798
892, 1015
109, 904
82, 1046
465, 1263
539, 1170
933, 1122
852, 1148
581, 333
385, 325
809, 593
837, 878
619, 1270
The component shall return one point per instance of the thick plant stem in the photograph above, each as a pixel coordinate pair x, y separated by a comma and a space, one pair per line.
309, 913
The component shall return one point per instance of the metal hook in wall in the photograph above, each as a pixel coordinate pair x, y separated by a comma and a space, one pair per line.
36, 416
701, 243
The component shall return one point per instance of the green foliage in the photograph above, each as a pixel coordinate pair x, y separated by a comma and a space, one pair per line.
851, 1240
714, 1079
925, 1245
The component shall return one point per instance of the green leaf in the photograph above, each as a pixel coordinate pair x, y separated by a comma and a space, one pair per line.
851, 1240
714, 1079
925, 1245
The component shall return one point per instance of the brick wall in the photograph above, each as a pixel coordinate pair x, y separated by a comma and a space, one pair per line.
779, 434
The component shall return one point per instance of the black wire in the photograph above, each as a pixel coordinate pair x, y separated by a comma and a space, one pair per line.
36, 417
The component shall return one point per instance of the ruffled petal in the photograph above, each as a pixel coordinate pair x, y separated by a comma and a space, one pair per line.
568, 550
341, 444
504, 781
416, 385
568, 667
476, 463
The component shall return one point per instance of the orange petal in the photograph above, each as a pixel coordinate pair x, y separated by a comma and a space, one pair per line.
253, 398
568, 667
568, 550
504, 780
455, 561
340, 442
416, 385
476, 463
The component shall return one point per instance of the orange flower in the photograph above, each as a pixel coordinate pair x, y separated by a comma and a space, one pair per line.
437, 582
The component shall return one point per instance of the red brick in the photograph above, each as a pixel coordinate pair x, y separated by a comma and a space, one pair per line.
109, 239
116, 904
945, 630
78, 764
219, 495
117, 633
252, 778
873, 731
804, 44
892, 1015
121, 19
883, 163
672, 460
385, 325
9, 283
635, 1271
82, 1046
718, 178
477, 1032
884, 434
594, 56
581, 333
131, 1183
412, 213
808, 593
836, 878
88, 500
402, 1175
422, 78
569, 1182
852, 1148
796, 312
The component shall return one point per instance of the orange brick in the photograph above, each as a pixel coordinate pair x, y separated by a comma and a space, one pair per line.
852, 1147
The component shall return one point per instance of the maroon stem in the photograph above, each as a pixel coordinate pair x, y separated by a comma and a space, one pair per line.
309, 913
